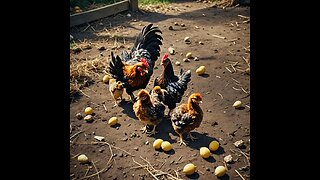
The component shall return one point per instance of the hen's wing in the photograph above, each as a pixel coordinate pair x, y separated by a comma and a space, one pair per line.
176, 89
181, 120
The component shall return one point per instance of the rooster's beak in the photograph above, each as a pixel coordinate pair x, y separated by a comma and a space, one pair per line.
200, 102
161, 63
146, 71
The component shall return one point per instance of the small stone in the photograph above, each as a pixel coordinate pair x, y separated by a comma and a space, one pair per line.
125, 155
178, 63
187, 39
207, 169
200, 42
196, 59
88, 118
215, 51
128, 15
170, 28
182, 25
171, 50
117, 128
228, 159
133, 135
102, 48
79, 116
125, 139
209, 110
146, 143
129, 124
101, 150
239, 143
136, 148
176, 24
120, 154
186, 60
115, 155
214, 124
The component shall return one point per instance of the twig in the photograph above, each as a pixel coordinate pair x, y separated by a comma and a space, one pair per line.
84, 93
228, 69
92, 28
92, 175
70, 128
95, 169
246, 21
244, 90
86, 28
179, 158
245, 156
237, 24
231, 40
200, 172
217, 36
75, 134
236, 89
105, 108
243, 16
233, 68
230, 52
162, 164
236, 80
247, 106
248, 63
87, 171
240, 175
220, 95
152, 174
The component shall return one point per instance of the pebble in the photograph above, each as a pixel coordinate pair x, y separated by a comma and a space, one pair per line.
101, 150
146, 143
186, 60
136, 148
239, 143
125, 139
228, 159
79, 116
196, 59
207, 169
120, 154
170, 28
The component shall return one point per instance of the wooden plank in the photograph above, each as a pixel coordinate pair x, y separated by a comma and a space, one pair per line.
95, 14
133, 5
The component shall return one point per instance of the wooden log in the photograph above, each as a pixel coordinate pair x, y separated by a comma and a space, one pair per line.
95, 14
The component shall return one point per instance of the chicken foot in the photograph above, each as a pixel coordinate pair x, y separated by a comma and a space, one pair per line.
181, 140
192, 137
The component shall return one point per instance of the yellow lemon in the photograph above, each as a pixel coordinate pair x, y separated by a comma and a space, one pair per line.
166, 146
157, 143
112, 121
237, 104
189, 55
83, 158
88, 110
214, 145
204, 152
189, 169
201, 70
220, 171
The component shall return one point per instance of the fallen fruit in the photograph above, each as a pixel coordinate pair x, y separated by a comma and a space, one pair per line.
166, 146
201, 70
112, 121
237, 104
106, 78
88, 110
157, 143
204, 152
220, 171
189, 169
189, 55
83, 158
214, 145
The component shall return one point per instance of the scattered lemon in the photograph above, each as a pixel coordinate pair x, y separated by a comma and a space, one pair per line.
220, 171
201, 70
189, 55
157, 143
166, 146
189, 169
204, 152
214, 145
83, 158
237, 104
88, 110
106, 78
112, 121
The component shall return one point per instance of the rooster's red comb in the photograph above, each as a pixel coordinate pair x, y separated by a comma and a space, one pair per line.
145, 62
165, 56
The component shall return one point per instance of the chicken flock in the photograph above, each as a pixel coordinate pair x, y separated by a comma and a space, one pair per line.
132, 72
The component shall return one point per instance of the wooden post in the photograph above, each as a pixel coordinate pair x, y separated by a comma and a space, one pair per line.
133, 4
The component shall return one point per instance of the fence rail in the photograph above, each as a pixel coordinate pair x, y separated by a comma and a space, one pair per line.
105, 11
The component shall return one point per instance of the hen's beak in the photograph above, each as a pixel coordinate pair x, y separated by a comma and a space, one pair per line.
146, 71
200, 102
161, 63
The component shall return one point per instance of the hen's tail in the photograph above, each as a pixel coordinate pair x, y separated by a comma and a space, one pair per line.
115, 68
149, 40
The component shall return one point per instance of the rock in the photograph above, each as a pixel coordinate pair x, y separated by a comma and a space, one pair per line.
128, 15
133, 135
239, 143
99, 138
214, 124
115, 155
207, 169
120, 154
182, 25
125, 139
187, 39
146, 143
176, 24
186, 60
136, 148
79, 116
228, 159
178, 63
170, 28
117, 128
102, 48
196, 59
200, 42
129, 124
88, 118
101, 150
209, 110
171, 50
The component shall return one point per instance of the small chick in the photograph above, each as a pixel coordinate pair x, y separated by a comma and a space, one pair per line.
116, 90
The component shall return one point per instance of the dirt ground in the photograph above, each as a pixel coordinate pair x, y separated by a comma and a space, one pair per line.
220, 89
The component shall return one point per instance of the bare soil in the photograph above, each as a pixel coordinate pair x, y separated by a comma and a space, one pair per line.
219, 87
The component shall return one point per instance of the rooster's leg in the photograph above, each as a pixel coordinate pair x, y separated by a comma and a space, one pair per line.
144, 129
181, 140
153, 132
115, 102
192, 137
